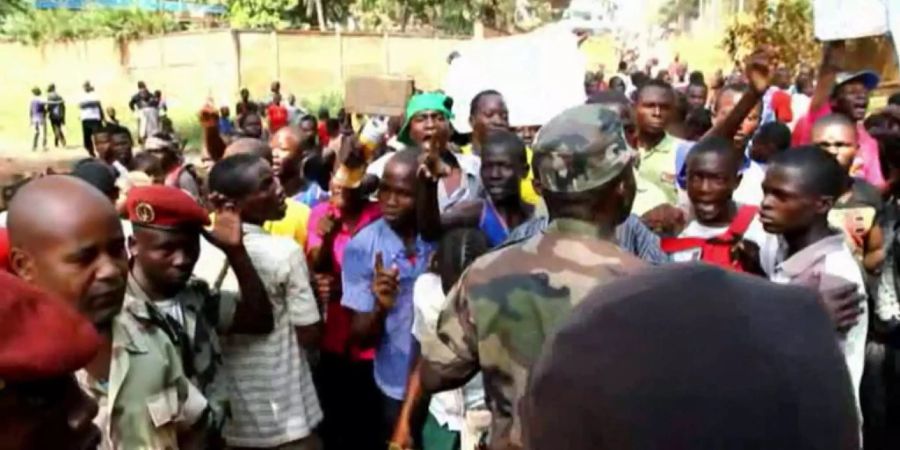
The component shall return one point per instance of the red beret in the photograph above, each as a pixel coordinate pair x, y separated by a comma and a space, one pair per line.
164, 207
4, 250
41, 336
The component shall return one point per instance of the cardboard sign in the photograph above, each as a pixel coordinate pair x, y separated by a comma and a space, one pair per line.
378, 95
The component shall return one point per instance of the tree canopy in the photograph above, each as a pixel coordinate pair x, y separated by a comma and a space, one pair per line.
785, 26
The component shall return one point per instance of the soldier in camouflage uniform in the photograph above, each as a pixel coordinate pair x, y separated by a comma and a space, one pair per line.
165, 247
509, 301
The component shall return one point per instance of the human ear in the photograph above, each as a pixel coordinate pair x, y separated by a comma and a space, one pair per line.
21, 264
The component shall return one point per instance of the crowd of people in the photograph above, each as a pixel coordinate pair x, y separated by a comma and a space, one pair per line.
673, 264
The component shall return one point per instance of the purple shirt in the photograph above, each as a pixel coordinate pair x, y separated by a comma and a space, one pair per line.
394, 352
37, 110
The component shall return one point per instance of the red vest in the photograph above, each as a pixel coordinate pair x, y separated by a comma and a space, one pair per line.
716, 250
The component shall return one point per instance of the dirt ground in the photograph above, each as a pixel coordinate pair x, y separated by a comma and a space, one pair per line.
16, 166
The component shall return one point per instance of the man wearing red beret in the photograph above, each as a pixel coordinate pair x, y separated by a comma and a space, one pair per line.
66, 238
42, 342
165, 246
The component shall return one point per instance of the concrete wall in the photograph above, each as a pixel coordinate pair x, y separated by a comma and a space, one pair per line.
190, 67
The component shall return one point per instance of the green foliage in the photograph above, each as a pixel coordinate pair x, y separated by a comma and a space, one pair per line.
36, 27
266, 14
449, 16
785, 26
8, 7
332, 101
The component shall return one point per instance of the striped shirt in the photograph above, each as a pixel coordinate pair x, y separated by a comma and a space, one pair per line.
273, 400
633, 236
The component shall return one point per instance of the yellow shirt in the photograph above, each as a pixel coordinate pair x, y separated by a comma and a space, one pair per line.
294, 223
527, 189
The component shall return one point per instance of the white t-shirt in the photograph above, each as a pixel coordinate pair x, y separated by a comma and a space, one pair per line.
90, 106
448, 407
800, 107
750, 192
755, 233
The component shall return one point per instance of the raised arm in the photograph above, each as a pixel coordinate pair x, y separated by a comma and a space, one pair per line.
759, 73
832, 58
253, 313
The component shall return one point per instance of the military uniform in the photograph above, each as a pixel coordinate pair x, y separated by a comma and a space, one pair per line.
510, 301
201, 313
183, 328
148, 397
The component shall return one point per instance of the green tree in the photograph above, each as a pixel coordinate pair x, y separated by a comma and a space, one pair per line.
786, 26
35, 27
266, 14
450, 16
677, 12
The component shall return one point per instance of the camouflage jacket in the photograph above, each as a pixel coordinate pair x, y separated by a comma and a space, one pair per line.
508, 303
204, 313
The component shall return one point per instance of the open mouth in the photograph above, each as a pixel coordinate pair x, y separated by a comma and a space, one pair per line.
705, 208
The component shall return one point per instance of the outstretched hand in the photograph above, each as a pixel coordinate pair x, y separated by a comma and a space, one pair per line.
386, 283
759, 68
431, 166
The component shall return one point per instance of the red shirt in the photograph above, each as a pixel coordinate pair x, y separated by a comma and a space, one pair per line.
278, 117
337, 317
323, 135
781, 104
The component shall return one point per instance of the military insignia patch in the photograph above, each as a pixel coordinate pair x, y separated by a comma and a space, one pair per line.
144, 213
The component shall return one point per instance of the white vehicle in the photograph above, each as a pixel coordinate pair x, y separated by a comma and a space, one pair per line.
590, 15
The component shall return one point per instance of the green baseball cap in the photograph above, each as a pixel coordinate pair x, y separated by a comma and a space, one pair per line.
429, 101
580, 149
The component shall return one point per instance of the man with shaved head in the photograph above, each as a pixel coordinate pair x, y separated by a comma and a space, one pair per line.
66, 238
249, 145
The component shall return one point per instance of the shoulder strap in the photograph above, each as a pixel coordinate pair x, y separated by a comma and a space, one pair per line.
677, 244
741, 222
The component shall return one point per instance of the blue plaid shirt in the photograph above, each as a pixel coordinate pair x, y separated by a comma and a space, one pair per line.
632, 235
394, 352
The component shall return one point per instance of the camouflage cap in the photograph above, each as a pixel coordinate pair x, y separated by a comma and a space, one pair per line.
580, 149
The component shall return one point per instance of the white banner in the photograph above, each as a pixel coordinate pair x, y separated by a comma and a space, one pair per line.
540, 74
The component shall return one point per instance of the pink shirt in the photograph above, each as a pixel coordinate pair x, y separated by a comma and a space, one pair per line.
337, 318
867, 166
